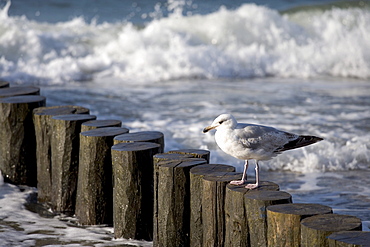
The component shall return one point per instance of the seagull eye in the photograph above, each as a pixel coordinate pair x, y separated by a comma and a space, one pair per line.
221, 121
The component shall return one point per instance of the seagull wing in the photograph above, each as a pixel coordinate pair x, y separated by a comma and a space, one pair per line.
257, 137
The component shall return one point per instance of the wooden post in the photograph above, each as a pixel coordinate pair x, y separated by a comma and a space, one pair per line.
197, 153
65, 146
4, 84
43, 131
283, 222
196, 184
133, 189
94, 124
17, 139
213, 200
173, 202
142, 136
316, 229
18, 91
156, 159
349, 239
236, 214
94, 201
256, 202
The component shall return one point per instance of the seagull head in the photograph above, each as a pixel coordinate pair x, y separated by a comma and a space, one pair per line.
224, 121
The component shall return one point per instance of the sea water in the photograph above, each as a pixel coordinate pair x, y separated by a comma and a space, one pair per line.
173, 66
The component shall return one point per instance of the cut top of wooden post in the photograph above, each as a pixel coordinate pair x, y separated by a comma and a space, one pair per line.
209, 168
303, 209
74, 117
197, 153
269, 195
349, 238
264, 185
332, 222
23, 99
107, 131
60, 110
17, 91
94, 124
167, 156
134, 146
181, 163
4, 84
222, 176
142, 136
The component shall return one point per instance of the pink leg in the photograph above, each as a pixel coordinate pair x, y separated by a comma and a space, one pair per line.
253, 186
244, 178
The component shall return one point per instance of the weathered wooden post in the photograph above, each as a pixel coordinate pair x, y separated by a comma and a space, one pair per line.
173, 202
197, 153
17, 139
18, 91
316, 229
284, 222
236, 214
94, 124
94, 201
142, 136
43, 131
196, 184
256, 202
349, 239
213, 200
4, 84
133, 189
156, 159
65, 146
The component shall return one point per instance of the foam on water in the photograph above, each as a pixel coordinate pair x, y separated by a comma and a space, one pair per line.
250, 41
20, 227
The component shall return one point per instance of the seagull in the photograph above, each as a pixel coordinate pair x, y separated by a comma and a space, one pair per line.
250, 141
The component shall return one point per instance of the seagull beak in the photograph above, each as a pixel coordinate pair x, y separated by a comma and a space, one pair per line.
206, 129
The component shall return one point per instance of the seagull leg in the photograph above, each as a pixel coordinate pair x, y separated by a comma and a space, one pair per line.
253, 186
244, 178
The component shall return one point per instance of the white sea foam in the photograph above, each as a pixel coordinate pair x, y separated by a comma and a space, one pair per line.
250, 41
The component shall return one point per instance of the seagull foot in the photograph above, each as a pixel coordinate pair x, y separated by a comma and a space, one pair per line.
251, 186
238, 182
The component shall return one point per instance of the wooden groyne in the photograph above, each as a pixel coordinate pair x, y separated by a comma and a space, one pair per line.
101, 173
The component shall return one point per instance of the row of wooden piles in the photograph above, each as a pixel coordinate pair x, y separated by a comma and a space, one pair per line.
102, 174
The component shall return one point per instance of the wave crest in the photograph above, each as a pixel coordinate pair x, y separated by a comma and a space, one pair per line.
251, 41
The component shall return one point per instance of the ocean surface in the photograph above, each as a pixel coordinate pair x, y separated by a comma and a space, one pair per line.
173, 66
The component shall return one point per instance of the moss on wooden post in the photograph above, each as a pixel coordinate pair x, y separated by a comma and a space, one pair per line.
133, 189
173, 202
316, 229
65, 147
94, 124
17, 139
284, 222
94, 202
142, 136
43, 131
256, 202
196, 184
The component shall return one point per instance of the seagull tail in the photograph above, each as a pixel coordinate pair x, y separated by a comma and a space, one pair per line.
301, 141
